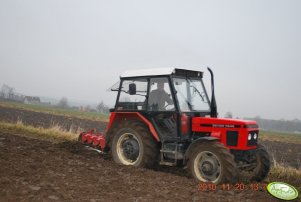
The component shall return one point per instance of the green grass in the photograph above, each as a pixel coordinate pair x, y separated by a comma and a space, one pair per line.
53, 134
57, 111
281, 137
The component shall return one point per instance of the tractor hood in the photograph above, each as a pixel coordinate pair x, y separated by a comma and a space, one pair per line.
200, 122
233, 133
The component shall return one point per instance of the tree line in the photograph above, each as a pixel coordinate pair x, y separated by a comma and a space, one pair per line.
100, 108
293, 126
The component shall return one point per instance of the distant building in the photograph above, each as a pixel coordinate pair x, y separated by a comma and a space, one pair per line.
31, 100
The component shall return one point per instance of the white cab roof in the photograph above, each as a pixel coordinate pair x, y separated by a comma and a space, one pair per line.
149, 72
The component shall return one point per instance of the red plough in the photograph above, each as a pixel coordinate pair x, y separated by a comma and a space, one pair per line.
94, 141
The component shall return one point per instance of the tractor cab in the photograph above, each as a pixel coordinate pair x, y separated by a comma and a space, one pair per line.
167, 97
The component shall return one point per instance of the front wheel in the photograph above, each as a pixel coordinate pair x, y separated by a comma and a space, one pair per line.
263, 164
212, 162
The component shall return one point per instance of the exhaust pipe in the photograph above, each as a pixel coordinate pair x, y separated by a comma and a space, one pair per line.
213, 106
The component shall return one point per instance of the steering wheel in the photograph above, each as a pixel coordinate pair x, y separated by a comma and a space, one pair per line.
172, 109
166, 106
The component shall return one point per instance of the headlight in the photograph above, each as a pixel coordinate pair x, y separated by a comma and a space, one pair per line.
249, 136
255, 136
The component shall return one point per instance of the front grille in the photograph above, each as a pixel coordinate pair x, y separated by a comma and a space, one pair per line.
253, 141
232, 138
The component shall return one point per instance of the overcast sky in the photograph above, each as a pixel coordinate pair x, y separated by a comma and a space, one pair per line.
78, 49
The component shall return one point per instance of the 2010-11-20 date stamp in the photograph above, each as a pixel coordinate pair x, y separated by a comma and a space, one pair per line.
232, 187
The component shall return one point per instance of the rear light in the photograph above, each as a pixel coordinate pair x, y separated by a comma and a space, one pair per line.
184, 124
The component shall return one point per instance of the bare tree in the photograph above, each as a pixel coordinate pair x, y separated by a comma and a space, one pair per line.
7, 92
2, 95
102, 108
63, 103
106, 110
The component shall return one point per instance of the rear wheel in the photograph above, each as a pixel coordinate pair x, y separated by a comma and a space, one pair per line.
263, 164
133, 144
212, 162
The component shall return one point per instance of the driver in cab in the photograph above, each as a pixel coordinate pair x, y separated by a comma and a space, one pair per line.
158, 98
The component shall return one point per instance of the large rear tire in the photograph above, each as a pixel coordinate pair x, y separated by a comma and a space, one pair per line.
133, 144
212, 162
263, 164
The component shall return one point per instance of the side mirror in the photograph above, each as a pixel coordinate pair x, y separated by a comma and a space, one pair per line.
132, 89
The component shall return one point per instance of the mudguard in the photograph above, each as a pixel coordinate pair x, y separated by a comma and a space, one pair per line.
195, 142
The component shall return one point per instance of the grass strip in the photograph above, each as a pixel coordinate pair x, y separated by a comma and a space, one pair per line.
54, 134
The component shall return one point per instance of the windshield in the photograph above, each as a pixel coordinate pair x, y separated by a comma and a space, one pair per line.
191, 94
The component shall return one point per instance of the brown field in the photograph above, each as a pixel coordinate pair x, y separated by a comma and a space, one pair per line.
39, 170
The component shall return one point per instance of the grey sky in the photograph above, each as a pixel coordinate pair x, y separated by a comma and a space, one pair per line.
78, 49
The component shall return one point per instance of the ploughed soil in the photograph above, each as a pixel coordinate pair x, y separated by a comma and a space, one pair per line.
286, 154
45, 120
36, 170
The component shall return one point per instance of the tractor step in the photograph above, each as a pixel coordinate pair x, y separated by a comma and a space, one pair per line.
168, 151
167, 163
170, 154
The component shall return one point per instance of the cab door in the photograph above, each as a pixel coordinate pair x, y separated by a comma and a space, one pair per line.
161, 108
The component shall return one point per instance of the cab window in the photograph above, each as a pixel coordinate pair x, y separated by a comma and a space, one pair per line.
160, 98
132, 95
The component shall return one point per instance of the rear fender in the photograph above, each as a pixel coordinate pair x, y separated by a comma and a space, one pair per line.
118, 117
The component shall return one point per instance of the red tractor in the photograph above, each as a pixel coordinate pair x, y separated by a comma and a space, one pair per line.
164, 116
